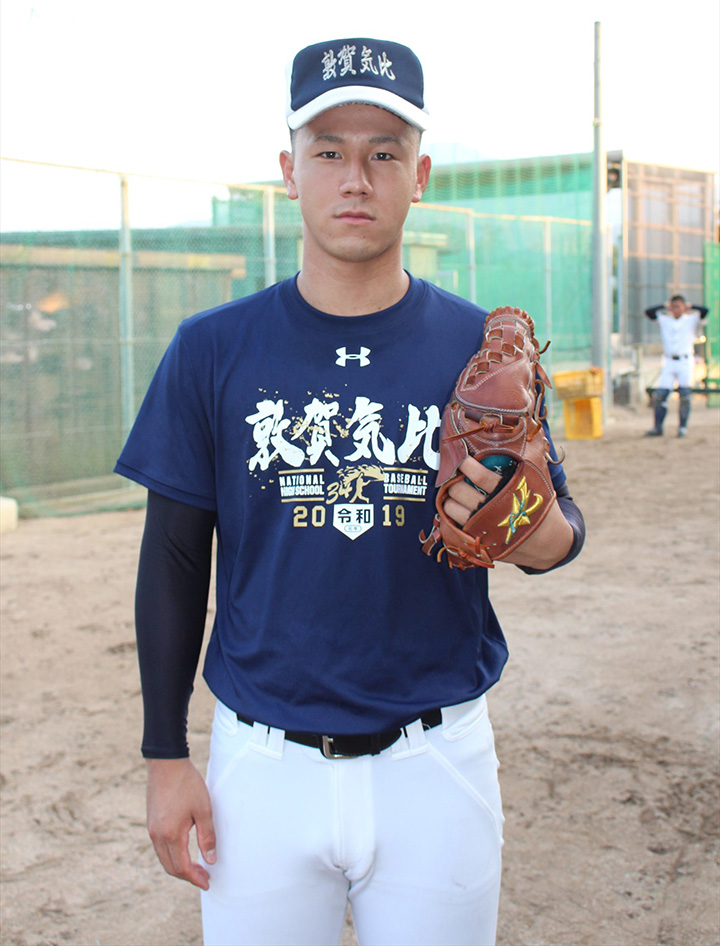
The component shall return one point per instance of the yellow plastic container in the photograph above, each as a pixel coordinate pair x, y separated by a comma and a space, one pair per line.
583, 418
587, 383
8, 514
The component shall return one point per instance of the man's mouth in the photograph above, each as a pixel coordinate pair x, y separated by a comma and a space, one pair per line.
354, 215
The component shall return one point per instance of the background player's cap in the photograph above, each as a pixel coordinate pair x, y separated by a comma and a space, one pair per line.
371, 71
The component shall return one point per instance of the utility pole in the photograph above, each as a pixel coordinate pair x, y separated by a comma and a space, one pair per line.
127, 328
600, 334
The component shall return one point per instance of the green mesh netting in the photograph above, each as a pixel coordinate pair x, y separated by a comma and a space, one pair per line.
83, 325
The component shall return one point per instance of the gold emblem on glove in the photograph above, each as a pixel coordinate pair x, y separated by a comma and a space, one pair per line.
521, 511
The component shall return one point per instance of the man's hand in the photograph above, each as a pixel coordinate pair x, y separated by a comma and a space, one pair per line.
464, 497
548, 545
177, 799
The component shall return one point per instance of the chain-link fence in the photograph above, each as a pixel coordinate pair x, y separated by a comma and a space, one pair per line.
98, 269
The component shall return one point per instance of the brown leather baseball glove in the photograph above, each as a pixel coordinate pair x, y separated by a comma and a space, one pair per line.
494, 417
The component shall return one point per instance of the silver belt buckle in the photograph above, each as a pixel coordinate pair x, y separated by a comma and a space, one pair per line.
328, 751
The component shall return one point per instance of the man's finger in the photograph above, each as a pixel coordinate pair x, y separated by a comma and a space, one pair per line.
175, 858
467, 495
479, 474
456, 511
206, 837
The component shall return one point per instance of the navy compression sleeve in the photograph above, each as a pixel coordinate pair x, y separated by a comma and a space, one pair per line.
170, 611
577, 524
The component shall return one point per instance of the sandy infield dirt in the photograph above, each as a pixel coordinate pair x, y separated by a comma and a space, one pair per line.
606, 719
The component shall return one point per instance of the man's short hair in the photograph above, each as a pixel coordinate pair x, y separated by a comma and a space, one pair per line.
677, 298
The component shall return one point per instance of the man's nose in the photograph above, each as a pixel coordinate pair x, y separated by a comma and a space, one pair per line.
357, 179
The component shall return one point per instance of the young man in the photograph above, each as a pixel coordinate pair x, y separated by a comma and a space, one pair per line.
680, 324
352, 758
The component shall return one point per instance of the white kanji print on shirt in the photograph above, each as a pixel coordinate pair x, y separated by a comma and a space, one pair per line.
370, 443
419, 429
367, 416
317, 422
269, 426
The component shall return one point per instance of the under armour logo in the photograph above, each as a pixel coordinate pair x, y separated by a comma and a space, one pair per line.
343, 357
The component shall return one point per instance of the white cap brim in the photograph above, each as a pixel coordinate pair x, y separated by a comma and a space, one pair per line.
362, 94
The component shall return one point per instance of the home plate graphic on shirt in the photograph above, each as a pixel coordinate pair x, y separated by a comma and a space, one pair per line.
352, 519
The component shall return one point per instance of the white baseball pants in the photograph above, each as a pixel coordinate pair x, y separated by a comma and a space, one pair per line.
411, 837
680, 370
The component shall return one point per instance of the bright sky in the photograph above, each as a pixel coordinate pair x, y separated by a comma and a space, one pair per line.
198, 89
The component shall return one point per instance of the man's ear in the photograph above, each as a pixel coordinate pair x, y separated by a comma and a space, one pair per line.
423, 176
287, 163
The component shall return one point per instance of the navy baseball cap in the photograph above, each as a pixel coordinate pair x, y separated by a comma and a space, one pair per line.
371, 71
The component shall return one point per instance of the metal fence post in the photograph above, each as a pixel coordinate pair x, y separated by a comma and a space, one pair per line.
600, 336
269, 250
126, 326
547, 255
470, 241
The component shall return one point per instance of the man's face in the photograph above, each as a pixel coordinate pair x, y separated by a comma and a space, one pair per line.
355, 170
678, 307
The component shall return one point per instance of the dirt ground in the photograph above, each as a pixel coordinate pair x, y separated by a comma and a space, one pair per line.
607, 719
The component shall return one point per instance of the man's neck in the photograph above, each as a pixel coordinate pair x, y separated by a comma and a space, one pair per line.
351, 288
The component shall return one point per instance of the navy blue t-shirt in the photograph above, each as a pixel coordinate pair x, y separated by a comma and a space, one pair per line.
314, 438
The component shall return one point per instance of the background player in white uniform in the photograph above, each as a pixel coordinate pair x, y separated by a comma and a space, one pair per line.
352, 758
680, 324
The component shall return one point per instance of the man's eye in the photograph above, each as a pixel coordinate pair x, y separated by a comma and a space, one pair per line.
329, 154
383, 156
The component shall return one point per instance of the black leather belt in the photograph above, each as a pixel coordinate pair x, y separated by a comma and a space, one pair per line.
350, 747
